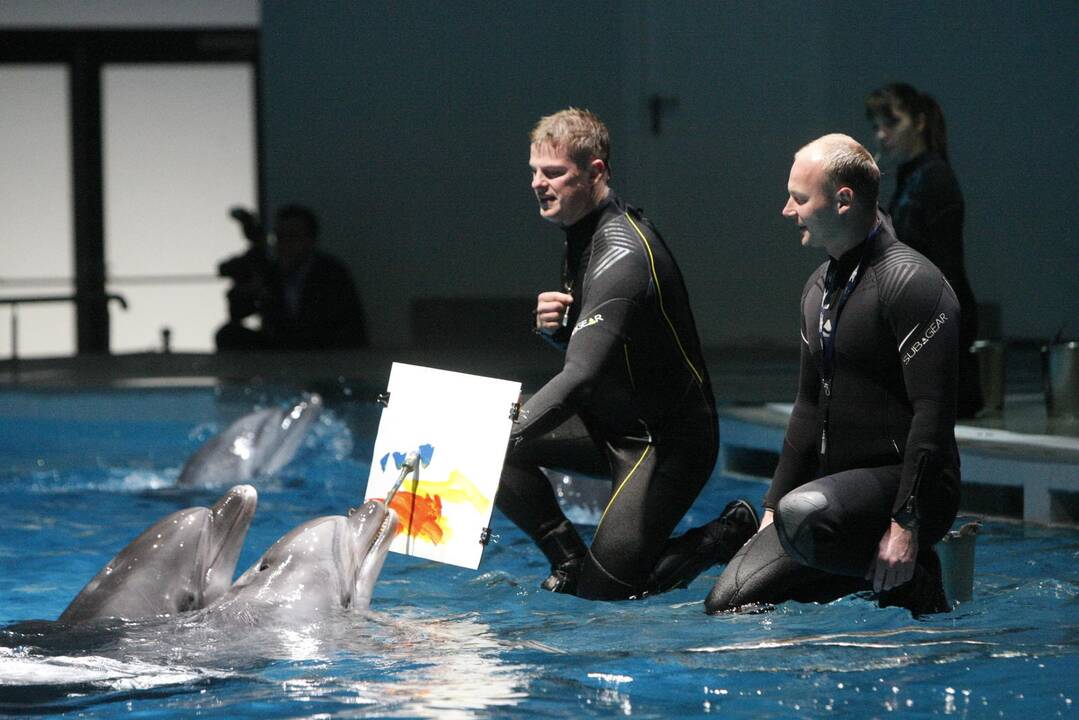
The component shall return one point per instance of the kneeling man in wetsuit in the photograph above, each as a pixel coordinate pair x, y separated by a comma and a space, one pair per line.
868, 478
633, 398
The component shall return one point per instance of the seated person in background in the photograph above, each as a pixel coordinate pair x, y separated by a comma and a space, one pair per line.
305, 298
927, 206
868, 478
633, 396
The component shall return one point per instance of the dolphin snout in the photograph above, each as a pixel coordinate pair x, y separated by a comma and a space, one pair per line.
375, 527
230, 519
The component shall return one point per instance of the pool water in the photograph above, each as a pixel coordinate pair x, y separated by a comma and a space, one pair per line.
83, 473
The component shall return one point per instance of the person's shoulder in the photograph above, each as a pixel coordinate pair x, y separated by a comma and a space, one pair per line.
899, 268
935, 176
621, 225
815, 279
330, 268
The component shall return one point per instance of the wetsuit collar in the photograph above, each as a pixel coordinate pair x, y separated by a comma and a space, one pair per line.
581, 231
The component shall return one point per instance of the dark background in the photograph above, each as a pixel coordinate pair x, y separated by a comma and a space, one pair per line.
406, 125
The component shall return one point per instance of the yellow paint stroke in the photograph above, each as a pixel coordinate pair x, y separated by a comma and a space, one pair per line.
455, 490
419, 505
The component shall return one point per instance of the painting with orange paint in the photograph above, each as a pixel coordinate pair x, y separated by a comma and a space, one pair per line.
459, 426
420, 516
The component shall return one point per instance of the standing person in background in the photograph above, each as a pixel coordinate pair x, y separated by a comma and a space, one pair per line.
927, 206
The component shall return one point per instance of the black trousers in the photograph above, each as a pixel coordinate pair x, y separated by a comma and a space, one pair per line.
654, 483
824, 536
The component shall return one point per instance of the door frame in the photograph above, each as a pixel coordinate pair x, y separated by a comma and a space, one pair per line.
85, 52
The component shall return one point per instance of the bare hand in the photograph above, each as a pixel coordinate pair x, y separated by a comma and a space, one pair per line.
551, 307
766, 519
896, 554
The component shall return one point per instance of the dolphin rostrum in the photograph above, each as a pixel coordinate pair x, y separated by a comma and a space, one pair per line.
325, 564
183, 562
259, 443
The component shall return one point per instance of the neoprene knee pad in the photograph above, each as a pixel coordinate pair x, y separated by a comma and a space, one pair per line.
796, 518
721, 596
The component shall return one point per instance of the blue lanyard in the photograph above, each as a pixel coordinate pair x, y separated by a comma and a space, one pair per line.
827, 328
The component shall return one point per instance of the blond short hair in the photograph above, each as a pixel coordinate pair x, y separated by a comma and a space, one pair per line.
579, 132
847, 163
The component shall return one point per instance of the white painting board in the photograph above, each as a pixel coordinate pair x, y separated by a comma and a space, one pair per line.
461, 424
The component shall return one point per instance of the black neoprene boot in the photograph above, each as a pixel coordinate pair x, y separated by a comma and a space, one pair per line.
565, 550
715, 543
923, 594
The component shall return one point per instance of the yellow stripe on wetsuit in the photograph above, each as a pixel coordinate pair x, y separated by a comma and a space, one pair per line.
629, 475
659, 293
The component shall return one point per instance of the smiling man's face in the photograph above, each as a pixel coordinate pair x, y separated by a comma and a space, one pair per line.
565, 190
810, 201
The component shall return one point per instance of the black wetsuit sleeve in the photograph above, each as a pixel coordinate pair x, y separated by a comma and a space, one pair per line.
924, 315
558, 339
609, 302
798, 459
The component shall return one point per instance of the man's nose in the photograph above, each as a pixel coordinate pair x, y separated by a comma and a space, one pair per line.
788, 209
537, 180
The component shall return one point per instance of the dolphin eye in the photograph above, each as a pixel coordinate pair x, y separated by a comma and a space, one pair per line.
347, 601
188, 603
264, 566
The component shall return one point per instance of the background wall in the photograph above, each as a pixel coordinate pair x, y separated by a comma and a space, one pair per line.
406, 125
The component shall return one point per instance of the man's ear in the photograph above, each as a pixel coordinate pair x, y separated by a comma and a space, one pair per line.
597, 169
844, 200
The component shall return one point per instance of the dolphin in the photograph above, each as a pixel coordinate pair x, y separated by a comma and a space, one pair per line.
259, 443
183, 562
327, 564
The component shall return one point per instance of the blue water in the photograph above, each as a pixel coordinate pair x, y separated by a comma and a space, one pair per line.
83, 473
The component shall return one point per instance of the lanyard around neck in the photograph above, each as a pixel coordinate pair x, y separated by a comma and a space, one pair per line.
827, 328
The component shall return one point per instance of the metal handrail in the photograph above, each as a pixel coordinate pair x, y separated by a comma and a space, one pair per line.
163, 279
14, 302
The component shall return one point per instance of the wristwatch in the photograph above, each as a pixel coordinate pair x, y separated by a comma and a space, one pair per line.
907, 516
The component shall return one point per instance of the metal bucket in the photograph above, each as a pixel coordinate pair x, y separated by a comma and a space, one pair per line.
991, 363
956, 553
1060, 375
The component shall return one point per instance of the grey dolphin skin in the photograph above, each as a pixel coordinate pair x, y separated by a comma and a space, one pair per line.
323, 565
182, 562
186, 561
259, 443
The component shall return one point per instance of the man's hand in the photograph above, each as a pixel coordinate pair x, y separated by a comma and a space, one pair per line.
766, 519
551, 307
895, 558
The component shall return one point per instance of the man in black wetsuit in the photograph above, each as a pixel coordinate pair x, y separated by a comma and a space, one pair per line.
633, 393
868, 478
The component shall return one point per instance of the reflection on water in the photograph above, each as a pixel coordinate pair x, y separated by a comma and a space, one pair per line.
416, 667
444, 642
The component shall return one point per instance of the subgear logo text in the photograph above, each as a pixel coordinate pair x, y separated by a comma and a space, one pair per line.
930, 331
597, 318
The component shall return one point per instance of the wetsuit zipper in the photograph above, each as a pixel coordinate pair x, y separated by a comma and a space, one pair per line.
910, 505
824, 426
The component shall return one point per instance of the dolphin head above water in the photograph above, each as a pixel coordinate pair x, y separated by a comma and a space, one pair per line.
259, 443
324, 564
182, 562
